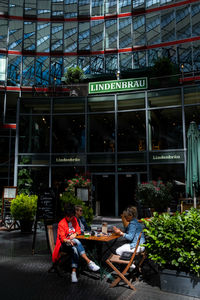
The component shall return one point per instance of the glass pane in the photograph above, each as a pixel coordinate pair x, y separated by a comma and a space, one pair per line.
14, 63
111, 34
3, 60
138, 4
196, 55
139, 59
97, 64
125, 6
111, 63
11, 107
35, 105
101, 134
110, 6
131, 131
183, 22
42, 70
15, 35
44, 9
43, 37
168, 26
195, 13
84, 36
68, 134
184, 53
97, 33
29, 36
97, 7
125, 38
164, 98
3, 33
57, 8
30, 7
101, 103
165, 129
70, 36
106, 158
153, 55
56, 36
28, 73
153, 28
139, 36
131, 101
56, 70
167, 172
125, 61
68, 105
34, 134
4, 153
127, 185
84, 63
192, 95
16, 8
132, 158
192, 114
84, 7
70, 8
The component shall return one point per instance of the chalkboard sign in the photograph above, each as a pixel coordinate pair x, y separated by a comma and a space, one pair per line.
46, 211
46, 205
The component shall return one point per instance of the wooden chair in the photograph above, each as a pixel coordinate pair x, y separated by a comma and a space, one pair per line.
64, 257
115, 259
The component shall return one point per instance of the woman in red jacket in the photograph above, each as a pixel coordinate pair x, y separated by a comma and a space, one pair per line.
68, 229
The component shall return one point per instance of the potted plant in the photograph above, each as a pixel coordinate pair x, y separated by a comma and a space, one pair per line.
173, 242
155, 195
23, 208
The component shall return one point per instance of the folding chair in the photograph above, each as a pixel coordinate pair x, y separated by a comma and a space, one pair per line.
115, 259
64, 257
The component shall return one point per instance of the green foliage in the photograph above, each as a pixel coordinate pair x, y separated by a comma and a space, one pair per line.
24, 207
68, 197
25, 181
174, 241
73, 75
155, 194
163, 66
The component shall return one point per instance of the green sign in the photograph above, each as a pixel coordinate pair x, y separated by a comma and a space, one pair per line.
113, 86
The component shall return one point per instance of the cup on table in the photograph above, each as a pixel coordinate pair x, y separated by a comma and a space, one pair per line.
87, 234
105, 227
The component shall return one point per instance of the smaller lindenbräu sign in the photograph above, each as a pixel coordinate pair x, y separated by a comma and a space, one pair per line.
113, 86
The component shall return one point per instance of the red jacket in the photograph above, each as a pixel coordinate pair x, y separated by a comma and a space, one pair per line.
62, 233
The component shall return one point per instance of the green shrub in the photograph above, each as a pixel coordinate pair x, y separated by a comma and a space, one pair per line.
24, 207
68, 197
73, 75
174, 241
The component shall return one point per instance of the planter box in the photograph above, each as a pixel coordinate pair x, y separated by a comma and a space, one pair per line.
179, 283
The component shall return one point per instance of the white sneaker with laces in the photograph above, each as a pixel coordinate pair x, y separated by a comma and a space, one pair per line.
93, 267
74, 277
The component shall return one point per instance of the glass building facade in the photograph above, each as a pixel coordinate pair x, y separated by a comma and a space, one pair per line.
121, 138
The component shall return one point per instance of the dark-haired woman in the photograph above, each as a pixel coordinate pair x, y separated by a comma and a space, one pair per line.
68, 229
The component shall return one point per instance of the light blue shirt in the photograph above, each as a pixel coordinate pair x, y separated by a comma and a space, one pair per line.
132, 233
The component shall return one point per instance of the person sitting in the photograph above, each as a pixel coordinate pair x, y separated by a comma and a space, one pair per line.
132, 232
81, 220
68, 229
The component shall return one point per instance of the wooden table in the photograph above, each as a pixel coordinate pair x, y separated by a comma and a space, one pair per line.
97, 253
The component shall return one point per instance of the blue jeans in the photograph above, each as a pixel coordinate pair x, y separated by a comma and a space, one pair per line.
77, 250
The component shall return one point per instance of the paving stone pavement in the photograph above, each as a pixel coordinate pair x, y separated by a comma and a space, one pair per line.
24, 276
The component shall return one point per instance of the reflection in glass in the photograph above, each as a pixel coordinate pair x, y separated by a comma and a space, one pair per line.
131, 131
131, 101
101, 133
164, 98
192, 95
165, 129
68, 134
34, 134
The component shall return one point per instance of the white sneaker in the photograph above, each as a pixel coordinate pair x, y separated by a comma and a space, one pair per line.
132, 266
74, 277
93, 267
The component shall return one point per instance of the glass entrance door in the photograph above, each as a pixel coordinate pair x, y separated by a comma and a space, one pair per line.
127, 185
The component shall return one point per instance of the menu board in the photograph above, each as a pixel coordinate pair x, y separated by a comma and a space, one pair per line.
9, 192
83, 194
46, 205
